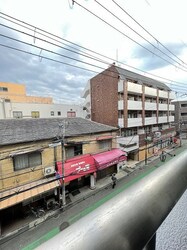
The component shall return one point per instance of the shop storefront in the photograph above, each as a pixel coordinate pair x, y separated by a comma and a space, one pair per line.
78, 171
107, 162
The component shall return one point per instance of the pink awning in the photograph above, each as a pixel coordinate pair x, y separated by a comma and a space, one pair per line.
109, 158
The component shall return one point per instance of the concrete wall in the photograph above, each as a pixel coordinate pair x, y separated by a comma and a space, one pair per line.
7, 109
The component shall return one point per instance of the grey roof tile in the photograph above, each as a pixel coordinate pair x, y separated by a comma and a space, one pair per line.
125, 74
25, 130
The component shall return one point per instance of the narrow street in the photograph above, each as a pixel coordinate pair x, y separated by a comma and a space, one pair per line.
31, 238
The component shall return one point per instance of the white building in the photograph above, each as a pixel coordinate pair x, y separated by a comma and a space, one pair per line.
39, 110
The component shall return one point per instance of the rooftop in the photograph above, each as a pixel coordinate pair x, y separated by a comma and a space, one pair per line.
26, 130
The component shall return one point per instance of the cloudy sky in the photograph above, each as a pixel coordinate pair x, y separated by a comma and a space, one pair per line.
55, 47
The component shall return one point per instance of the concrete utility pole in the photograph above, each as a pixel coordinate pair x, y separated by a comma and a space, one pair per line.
62, 126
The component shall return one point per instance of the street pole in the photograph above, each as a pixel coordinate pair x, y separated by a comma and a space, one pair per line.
146, 150
63, 167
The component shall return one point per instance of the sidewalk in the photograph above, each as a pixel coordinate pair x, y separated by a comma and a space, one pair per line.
85, 192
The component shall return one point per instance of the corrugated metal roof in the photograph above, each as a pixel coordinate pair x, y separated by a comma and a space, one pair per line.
24, 130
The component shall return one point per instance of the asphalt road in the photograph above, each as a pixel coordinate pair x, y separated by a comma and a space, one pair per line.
31, 238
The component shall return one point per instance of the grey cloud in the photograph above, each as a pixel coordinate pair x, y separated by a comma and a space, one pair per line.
149, 61
42, 77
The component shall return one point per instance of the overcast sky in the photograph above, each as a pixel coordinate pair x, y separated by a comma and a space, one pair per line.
59, 66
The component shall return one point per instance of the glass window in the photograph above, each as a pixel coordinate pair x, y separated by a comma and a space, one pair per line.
27, 160
59, 113
35, 114
105, 144
52, 113
17, 114
3, 89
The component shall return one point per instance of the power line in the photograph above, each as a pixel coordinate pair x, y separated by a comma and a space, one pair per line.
36, 28
148, 32
139, 34
128, 36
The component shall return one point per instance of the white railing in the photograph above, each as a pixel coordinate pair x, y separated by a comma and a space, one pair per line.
150, 91
134, 105
134, 87
150, 106
134, 122
150, 120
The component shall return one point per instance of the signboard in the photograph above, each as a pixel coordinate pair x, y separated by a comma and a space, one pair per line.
77, 167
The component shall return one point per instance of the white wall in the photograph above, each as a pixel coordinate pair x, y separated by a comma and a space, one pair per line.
43, 109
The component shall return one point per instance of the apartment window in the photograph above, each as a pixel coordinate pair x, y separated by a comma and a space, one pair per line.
35, 114
27, 160
17, 114
183, 114
120, 96
3, 89
105, 144
120, 114
184, 105
52, 113
74, 150
59, 113
129, 132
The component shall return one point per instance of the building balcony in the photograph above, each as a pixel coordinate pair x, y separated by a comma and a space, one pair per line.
121, 122
163, 94
162, 119
150, 91
171, 118
150, 120
163, 107
150, 106
134, 105
134, 88
134, 122
120, 86
120, 105
171, 107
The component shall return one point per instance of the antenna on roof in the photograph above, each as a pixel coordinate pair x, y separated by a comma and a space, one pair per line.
117, 63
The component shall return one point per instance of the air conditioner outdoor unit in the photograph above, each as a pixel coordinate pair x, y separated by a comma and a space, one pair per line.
49, 170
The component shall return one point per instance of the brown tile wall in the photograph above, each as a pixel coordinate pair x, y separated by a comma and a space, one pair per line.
104, 97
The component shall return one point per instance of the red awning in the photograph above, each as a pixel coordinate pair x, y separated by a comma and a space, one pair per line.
109, 158
77, 167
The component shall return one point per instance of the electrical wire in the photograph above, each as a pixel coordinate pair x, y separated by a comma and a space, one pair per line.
148, 32
36, 28
139, 34
153, 53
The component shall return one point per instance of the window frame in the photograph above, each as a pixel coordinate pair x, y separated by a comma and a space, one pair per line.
28, 161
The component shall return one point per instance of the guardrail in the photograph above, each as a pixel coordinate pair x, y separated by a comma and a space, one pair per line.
128, 221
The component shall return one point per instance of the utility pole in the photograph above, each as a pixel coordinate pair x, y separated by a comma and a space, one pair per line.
62, 126
147, 139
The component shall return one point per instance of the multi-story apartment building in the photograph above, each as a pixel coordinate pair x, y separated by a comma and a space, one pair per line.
140, 106
14, 103
31, 156
180, 115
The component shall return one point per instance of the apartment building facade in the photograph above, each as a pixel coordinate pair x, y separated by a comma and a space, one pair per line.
140, 106
180, 115
31, 156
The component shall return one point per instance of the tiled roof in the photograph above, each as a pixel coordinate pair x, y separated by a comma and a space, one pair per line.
125, 74
24, 130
